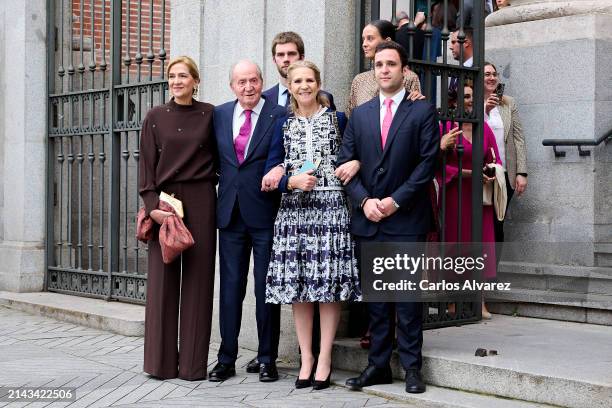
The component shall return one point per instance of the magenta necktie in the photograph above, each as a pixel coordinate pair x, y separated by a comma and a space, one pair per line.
243, 136
386, 124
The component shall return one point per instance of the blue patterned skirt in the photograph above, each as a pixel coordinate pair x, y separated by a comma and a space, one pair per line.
313, 254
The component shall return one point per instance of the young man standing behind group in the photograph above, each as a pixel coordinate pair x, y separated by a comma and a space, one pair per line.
287, 47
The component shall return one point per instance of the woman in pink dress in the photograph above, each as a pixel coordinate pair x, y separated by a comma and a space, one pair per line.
452, 192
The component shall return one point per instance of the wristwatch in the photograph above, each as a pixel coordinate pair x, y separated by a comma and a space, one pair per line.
522, 174
395, 204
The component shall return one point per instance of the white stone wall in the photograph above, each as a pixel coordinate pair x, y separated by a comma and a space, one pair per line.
558, 69
22, 134
3, 91
217, 35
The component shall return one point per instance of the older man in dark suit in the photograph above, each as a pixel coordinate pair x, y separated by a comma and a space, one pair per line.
245, 218
397, 142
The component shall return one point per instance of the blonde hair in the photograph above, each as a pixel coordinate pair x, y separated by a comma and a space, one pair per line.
321, 98
191, 66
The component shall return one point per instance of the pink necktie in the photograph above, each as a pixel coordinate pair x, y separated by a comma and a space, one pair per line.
386, 124
243, 136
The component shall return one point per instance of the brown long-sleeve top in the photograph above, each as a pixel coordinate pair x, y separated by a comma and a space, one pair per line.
177, 144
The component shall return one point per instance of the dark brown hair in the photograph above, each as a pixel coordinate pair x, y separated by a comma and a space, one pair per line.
392, 45
288, 37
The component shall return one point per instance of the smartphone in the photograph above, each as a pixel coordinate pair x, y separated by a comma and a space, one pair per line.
308, 165
489, 171
499, 91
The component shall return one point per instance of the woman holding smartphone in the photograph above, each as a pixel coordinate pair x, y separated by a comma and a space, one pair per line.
313, 256
501, 114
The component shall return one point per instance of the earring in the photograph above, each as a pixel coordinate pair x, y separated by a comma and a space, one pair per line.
195, 91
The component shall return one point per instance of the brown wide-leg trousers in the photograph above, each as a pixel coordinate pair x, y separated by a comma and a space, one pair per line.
190, 289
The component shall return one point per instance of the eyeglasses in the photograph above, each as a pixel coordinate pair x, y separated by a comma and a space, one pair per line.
490, 74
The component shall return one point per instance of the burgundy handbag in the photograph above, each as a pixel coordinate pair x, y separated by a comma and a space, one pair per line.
144, 226
174, 237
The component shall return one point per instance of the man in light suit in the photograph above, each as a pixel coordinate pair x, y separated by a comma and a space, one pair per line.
287, 47
397, 142
245, 218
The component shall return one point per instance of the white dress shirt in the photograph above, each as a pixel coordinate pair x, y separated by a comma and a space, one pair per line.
397, 99
240, 117
282, 96
496, 124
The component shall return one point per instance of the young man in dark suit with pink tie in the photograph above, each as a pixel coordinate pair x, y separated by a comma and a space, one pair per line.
397, 142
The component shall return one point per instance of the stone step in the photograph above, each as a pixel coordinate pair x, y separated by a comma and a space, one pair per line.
434, 397
552, 297
605, 247
603, 254
121, 318
594, 309
557, 278
539, 361
569, 293
437, 397
603, 259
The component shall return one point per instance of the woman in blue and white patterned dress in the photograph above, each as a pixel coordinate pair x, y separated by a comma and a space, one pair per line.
313, 256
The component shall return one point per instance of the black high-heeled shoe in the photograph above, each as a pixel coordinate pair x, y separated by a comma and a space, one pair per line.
300, 383
321, 385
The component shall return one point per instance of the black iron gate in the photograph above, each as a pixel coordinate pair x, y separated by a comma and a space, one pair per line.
436, 72
106, 63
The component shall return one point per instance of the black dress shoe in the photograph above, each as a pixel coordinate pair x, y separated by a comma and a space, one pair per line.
370, 376
321, 385
414, 382
300, 383
253, 366
268, 372
222, 372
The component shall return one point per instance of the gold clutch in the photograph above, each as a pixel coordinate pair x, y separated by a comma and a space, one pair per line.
175, 203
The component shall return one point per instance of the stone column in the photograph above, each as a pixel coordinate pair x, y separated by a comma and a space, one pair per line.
217, 34
23, 101
554, 57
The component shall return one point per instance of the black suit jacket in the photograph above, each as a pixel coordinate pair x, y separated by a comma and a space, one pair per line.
271, 94
403, 170
242, 182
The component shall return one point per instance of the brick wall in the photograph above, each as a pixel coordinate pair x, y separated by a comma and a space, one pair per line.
145, 32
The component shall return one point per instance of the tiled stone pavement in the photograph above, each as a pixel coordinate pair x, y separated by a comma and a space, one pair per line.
106, 370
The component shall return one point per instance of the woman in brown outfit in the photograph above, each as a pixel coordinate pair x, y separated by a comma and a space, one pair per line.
178, 155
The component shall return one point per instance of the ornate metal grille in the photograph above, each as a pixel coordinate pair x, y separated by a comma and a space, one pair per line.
105, 71
435, 73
